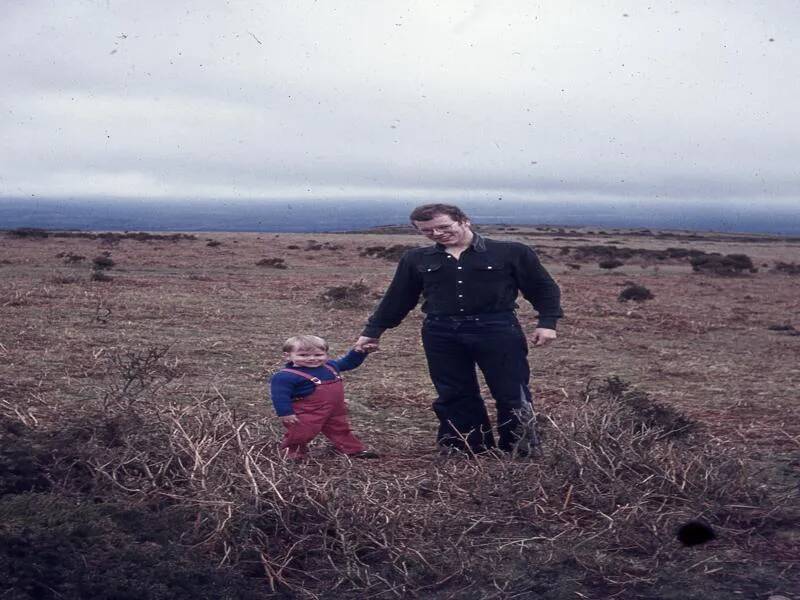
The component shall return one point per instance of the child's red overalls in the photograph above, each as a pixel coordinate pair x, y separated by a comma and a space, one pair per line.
323, 411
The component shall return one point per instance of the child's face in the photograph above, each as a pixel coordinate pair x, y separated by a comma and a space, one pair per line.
307, 357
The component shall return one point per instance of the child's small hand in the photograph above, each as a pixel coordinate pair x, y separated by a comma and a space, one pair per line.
369, 347
289, 419
366, 344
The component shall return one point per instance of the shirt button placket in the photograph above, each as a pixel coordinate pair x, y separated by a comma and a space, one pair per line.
460, 295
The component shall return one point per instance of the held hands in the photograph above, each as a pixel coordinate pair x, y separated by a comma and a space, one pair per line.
366, 344
542, 336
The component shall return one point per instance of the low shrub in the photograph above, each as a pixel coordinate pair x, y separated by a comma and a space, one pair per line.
726, 266
102, 262
392, 253
635, 292
100, 275
355, 295
273, 263
113, 238
786, 268
589, 252
29, 232
611, 263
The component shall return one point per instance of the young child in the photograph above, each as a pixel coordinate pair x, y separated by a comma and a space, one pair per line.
308, 396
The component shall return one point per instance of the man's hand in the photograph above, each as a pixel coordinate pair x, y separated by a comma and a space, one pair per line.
367, 344
289, 419
542, 336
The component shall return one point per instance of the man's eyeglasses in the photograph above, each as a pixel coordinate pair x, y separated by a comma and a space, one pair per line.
439, 229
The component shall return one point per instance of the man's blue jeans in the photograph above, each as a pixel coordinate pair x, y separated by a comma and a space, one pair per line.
496, 344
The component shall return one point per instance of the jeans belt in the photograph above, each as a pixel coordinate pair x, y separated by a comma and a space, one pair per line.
478, 317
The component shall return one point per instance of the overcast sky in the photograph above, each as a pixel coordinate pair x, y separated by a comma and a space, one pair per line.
418, 99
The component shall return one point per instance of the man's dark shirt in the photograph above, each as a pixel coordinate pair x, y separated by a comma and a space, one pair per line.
486, 278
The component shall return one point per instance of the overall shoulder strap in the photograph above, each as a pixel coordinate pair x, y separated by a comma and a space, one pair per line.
332, 370
311, 378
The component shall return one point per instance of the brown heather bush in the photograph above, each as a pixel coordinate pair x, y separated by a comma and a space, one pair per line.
635, 292
354, 295
104, 261
29, 232
729, 265
273, 263
785, 268
392, 253
113, 238
610, 263
594, 513
101, 276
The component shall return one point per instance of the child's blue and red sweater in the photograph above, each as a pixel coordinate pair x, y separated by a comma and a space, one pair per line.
284, 387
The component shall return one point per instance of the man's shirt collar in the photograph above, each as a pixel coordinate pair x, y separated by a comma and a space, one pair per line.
478, 244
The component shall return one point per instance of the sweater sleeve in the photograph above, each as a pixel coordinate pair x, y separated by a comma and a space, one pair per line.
281, 388
349, 361
400, 298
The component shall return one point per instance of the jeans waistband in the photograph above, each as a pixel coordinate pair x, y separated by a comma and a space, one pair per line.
477, 317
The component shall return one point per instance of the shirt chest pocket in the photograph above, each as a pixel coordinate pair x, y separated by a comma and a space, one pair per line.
430, 273
489, 271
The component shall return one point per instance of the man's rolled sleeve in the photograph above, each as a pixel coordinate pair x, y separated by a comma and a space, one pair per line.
400, 298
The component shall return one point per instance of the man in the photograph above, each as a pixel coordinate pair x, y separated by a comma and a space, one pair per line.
469, 286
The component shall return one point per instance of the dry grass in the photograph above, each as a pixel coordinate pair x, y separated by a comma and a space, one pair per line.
148, 392
617, 476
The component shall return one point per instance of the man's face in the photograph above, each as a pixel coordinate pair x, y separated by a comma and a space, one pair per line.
442, 229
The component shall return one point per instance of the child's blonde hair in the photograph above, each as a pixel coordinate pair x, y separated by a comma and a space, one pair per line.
304, 342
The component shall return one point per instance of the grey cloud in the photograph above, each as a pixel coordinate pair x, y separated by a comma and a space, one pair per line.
398, 97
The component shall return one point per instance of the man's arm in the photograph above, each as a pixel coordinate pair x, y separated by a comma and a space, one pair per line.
401, 297
538, 288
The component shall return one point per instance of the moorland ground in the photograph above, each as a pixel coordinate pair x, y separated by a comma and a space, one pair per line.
140, 451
